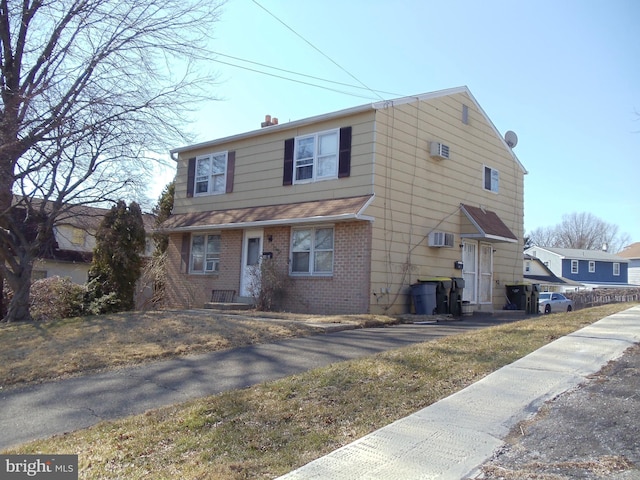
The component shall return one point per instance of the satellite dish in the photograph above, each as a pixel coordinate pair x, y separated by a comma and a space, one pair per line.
511, 138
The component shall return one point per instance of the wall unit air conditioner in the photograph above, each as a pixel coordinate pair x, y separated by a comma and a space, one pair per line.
439, 150
441, 239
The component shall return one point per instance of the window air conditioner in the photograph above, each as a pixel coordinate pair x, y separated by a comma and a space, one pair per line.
439, 150
440, 239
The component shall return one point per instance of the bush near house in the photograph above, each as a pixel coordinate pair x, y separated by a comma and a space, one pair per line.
54, 298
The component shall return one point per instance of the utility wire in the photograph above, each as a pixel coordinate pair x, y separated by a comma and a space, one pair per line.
294, 80
318, 50
294, 73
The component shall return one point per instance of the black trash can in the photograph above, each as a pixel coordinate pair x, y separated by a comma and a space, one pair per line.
455, 298
519, 294
424, 298
443, 289
535, 296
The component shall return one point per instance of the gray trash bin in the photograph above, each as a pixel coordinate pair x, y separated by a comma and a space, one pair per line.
424, 298
443, 288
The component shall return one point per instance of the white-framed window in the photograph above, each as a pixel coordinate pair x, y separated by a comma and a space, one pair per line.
491, 179
316, 156
211, 174
592, 266
527, 266
78, 236
574, 266
205, 253
312, 251
616, 269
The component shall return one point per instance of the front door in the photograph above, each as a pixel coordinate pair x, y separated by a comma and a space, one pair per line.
485, 273
250, 269
470, 270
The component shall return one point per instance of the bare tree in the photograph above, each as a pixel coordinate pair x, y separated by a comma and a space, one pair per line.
90, 90
580, 230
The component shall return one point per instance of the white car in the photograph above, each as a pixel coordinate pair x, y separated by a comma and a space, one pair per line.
556, 302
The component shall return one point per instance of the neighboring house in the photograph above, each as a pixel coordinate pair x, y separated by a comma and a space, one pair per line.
592, 268
632, 253
75, 240
352, 207
536, 272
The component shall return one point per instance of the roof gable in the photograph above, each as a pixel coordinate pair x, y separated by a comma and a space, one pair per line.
448, 92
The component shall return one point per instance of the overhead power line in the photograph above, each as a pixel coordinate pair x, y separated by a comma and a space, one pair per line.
298, 74
318, 50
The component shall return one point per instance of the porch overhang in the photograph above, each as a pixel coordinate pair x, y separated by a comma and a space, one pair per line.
481, 224
321, 211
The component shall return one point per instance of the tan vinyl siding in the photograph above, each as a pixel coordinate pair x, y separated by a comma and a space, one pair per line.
259, 169
416, 194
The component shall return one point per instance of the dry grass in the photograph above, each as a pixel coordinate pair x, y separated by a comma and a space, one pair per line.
41, 351
269, 429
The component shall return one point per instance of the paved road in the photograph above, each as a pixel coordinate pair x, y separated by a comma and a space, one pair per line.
53, 408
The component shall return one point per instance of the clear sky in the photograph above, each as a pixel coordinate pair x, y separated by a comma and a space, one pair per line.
564, 75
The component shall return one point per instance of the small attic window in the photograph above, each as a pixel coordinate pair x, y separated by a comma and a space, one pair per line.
465, 114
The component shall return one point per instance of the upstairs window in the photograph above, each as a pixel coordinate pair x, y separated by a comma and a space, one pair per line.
616, 269
316, 157
592, 266
211, 174
491, 179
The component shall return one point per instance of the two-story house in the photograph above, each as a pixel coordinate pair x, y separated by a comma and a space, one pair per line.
591, 268
353, 207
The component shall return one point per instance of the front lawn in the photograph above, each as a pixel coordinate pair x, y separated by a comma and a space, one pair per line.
270, 429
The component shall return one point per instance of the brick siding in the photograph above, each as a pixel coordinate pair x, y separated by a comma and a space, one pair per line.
346, 291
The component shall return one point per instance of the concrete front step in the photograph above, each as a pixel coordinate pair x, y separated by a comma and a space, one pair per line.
227, 306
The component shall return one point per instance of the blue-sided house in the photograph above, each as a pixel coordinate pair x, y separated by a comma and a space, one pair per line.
591, 268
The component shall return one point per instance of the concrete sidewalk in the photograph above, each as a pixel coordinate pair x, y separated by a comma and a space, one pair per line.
453, 437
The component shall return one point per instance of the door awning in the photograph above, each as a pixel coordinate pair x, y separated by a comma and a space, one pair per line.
481, 224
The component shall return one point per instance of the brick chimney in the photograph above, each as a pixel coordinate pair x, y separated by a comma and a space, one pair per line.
268, 121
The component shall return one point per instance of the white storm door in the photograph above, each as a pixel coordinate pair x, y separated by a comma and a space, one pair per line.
470, 271
251, 256
485, 273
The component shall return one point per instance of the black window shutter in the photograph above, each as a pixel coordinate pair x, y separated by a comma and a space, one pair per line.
287, 176
231, 170
191, 176
344, 160
185, 251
